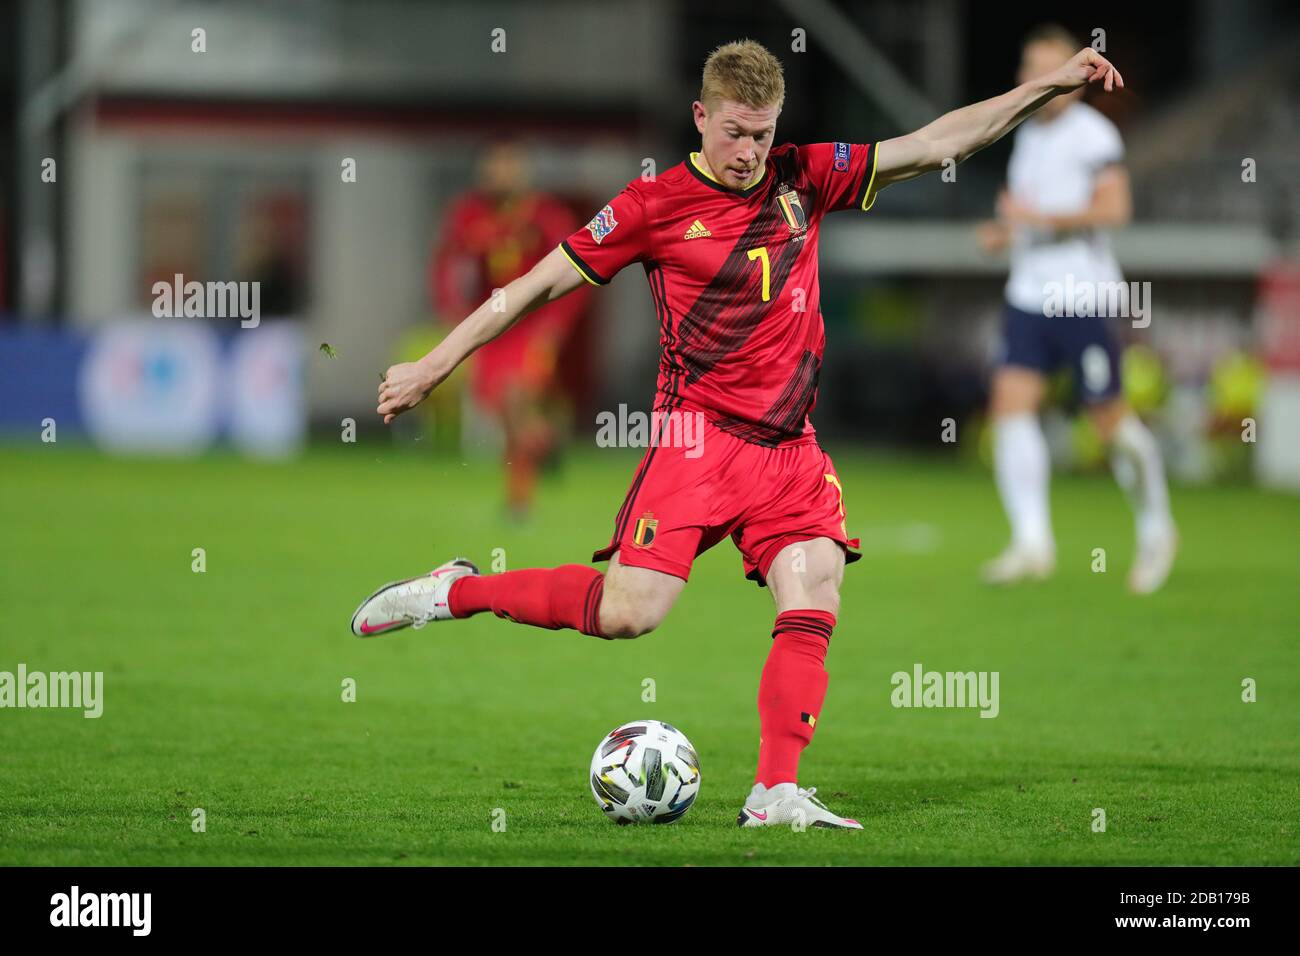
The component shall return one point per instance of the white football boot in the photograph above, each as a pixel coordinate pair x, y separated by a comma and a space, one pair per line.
1020, 563
786, 804
410, 603
1153, 561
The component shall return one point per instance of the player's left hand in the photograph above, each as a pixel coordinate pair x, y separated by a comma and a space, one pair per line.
1088, 66
993, 237
405, 385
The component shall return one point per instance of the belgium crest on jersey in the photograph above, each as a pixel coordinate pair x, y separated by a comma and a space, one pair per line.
643, 534
791, 209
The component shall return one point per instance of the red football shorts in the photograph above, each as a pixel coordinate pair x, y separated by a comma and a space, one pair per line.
703, 484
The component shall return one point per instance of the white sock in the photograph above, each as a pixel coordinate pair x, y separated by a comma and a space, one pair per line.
1023, 468
1140, 472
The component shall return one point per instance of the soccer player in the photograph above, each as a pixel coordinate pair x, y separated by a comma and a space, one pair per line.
728, 241
1065, 187
491, 235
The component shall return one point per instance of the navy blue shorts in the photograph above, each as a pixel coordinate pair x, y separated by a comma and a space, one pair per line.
1086, 344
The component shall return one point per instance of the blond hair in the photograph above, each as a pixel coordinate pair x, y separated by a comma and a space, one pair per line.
1053, 33
743, 72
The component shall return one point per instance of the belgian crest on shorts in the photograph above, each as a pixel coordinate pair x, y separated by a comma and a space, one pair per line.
643, 534
792, 210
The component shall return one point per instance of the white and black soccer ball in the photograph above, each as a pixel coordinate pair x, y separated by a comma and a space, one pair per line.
645, 771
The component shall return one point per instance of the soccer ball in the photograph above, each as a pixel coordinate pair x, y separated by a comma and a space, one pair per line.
645, 770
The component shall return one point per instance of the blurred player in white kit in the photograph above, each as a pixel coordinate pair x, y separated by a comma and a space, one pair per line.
1066, 186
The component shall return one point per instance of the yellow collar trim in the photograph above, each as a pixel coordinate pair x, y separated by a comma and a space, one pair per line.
695, 161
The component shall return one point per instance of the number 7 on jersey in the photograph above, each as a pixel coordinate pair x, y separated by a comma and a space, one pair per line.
761, 253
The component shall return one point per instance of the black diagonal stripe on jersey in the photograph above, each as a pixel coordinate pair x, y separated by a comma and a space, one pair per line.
784, 419
791, 407
730, 308
703, 330
751, 432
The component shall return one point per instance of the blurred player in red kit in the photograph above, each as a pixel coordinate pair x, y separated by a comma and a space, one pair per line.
728, 241
490, 236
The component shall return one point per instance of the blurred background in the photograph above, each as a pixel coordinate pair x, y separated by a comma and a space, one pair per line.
323, 148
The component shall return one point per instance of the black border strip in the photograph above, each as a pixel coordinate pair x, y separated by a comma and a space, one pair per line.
588, 272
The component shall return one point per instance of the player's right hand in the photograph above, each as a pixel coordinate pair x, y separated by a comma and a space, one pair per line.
405, 385
1088, 66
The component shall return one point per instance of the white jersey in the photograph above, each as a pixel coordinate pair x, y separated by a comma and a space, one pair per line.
1054, 166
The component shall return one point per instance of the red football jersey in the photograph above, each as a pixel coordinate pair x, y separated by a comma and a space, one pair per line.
483, 245
734, 281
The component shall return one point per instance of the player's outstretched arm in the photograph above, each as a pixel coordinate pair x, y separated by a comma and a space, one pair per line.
962, 133
409, 383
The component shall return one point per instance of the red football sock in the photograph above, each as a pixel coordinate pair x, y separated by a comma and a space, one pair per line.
791, 692
567, 596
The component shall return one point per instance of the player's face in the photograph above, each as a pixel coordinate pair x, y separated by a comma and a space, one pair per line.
736, 140
503, 171
1039, 59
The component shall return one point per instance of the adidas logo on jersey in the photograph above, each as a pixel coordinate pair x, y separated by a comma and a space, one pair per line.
697, 231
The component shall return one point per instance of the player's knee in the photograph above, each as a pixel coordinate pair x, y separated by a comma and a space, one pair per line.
623, 620
808, 575
1106, 417
1015, 392
636, 600
822, 594
826, 596
626, 613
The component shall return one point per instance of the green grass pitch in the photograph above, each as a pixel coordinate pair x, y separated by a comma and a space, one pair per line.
223, 690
